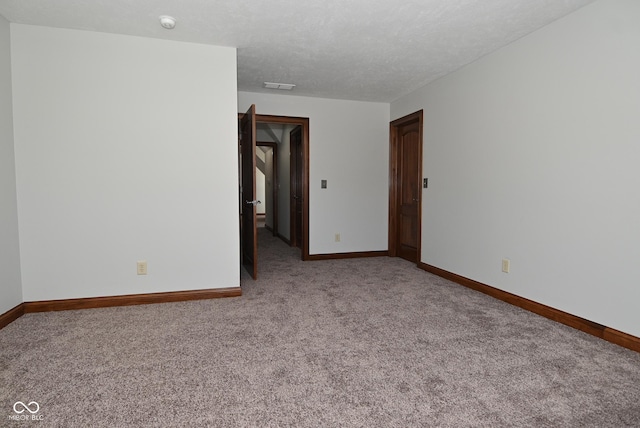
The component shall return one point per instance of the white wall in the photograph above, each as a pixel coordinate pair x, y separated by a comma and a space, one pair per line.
532, 153
349, 147
10, 281
260, 189
126, 150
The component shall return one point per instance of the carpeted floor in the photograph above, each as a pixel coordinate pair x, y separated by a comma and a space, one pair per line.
347, 343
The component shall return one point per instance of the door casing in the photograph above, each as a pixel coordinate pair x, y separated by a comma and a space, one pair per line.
304, 122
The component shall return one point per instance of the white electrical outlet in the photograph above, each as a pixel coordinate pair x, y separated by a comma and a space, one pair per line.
506, 265
337, 237
142, 267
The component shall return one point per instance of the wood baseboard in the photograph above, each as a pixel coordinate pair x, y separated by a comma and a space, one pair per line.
353, 255
128, 300
609, 334
11, 315
108, 301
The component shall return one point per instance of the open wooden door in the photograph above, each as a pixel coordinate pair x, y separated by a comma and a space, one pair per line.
248, 200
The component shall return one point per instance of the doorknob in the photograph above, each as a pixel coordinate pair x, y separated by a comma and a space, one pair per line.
254, 203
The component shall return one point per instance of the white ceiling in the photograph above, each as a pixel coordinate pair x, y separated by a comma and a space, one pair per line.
370, 50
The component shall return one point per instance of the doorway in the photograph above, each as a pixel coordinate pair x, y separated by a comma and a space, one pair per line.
405, 195
299, 126
292, 128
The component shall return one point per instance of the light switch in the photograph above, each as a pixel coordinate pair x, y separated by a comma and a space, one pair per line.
323, 184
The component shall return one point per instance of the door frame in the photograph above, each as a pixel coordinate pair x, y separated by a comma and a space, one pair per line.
304, 122
395, 180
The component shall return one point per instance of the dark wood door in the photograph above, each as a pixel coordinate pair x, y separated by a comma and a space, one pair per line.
297, 169
409, 192
405, 190
249, 231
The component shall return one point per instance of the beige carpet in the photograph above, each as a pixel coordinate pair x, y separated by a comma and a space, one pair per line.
347, 343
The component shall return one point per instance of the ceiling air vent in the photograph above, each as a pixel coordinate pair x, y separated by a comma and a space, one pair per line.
282, 86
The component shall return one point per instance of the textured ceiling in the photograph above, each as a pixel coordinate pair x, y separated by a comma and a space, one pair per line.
372, 50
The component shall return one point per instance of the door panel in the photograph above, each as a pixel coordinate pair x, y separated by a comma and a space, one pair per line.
249, 229
409, 192
297, 194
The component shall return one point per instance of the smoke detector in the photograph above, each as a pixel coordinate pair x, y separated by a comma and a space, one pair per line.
168, 22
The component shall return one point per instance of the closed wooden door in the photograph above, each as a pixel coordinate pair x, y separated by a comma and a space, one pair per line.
297, 170
406, 181
409, 193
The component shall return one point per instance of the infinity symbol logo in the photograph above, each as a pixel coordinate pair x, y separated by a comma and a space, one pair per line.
26, 407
